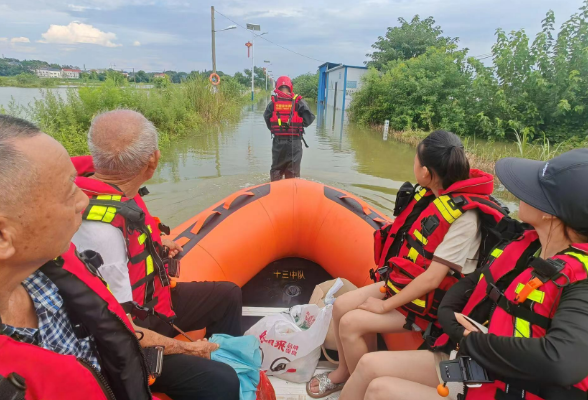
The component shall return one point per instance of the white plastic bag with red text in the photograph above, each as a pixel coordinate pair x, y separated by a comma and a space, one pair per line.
290, 342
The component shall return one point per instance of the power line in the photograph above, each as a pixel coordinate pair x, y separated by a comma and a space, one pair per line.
484, 56
267, 40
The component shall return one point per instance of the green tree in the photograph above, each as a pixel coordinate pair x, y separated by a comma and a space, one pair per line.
243, 79
307, 85
424, 92
409, 40
141, 77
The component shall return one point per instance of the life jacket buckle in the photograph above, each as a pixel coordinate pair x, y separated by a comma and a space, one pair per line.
494, 293
164, 228
141, 312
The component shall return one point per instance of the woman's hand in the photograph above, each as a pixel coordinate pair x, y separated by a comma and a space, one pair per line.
469, 327
174, 248
373, 305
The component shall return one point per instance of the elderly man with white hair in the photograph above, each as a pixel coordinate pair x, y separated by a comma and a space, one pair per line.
139, 265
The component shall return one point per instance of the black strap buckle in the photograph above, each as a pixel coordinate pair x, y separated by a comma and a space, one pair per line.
142, 312
164, 228
546, 270
410, 320
12, 387
494, 293
143, 191
92, 259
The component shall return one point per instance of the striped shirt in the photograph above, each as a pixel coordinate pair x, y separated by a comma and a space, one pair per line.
55, 331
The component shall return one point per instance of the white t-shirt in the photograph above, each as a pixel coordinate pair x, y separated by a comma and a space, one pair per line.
459, 249
109, 242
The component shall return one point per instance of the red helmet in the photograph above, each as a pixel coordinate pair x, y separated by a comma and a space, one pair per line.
284, 81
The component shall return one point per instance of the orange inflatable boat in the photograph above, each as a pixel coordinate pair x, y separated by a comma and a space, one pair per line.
278, 240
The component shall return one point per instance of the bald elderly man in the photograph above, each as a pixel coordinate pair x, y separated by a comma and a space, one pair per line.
138, 262
60, 328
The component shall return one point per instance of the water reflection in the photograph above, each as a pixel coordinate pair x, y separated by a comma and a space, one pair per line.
213, 162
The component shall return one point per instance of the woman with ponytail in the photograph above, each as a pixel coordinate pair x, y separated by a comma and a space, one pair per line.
434, 239
517, 326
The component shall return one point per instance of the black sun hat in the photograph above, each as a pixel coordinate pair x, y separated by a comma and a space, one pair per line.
558, 187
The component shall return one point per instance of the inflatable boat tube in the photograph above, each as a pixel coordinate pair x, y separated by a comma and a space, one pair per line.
239, 236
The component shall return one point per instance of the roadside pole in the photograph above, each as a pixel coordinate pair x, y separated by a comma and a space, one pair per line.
213, 40
253, 68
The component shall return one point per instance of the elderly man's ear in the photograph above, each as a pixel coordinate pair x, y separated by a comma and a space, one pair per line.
7, 233
153, 162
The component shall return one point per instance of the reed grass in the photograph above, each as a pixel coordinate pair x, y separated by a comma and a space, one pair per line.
175, 109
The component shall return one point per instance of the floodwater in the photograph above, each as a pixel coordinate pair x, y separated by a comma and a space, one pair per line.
203, 168
199, 170
25, 96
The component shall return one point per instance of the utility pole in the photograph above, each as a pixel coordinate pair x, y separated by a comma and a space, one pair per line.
253, 28
213, 40
253, 68
266, 71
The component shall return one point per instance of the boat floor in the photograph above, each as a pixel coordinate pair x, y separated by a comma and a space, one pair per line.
279, 286
296, 391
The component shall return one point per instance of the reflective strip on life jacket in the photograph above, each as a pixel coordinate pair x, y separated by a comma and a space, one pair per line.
522, 328
101, 213
417, 302
496, 253
413, 254
420, 194
419, 236
536, 295
580, 257
447, 208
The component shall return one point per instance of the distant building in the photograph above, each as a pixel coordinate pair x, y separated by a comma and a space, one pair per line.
48, 73
68, 73
338, 83
159, 75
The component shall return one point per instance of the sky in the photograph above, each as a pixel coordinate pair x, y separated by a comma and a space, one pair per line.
157, 35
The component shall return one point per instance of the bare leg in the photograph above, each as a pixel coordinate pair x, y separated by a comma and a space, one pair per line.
357, 324
399, 389
347, 302
415, 367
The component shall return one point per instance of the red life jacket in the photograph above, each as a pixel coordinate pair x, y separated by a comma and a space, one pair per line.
405, 248
90, 305
147, 266
530, 316
284, 108
514, 258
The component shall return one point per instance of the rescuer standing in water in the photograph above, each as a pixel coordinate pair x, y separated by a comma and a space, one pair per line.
286, 117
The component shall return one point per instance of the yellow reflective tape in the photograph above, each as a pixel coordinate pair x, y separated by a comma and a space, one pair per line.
420, 194
496, 253
279, 122
142, 238
149, 227
116, 198
96, 213
583, 258
149, 265
295, 96
419, 236
522, 328
443, 204
481, 277
413, 254
109, 215
536, 295
417, 302
104, 197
